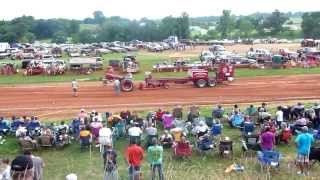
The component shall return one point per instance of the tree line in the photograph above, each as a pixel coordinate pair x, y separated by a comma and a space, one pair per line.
101, 28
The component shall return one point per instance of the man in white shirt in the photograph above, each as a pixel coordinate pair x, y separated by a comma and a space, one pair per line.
75, 86
279, 116
117, 87
151, 130
105, 137
135, 133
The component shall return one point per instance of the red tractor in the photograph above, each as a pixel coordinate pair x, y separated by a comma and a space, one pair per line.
199, 77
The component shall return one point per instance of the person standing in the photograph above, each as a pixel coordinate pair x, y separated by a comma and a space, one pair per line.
75, 87
267, 140
303, 143
279, 116
110, 163
38, 165
117, 87
155, 154
22, 168
134, 156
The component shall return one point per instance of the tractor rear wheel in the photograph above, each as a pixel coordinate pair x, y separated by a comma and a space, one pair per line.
212, 83
201, 83
126, 85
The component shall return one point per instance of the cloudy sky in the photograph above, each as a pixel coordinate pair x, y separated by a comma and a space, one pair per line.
136, 9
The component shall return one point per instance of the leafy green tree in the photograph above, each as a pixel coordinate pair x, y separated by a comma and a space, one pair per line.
213, 34
59, 37
99, 17
311, 25
168, 27
275, 21
9, 37
30, 37
85, 36
73, 27
226, 24
245, 27
183, 26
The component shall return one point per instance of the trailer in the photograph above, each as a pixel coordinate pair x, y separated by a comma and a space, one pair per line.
199, 77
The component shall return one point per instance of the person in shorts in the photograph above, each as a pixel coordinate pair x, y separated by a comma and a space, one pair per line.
303, 142
75, 86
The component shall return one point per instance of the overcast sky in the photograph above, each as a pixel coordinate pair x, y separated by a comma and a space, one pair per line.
136, 9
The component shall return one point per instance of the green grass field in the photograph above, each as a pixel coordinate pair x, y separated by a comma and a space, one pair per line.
87, 166
147, 60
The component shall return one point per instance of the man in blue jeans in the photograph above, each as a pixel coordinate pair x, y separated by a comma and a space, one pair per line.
303, 142
155, 154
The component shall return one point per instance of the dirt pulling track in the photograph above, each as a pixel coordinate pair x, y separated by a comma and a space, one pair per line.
54, 101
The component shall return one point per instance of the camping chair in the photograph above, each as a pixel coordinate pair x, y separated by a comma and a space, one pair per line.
226, 148
268, 159
205, 144
4, 128
177, 112
75, 127
120, 129
149, 140
209, 121
314, 155
85, 142
46, 141
248, 128
182, 149
250, 143
216, 130
27, 145
14, 126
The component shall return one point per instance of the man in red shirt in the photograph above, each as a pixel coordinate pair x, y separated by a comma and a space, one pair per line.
134, 156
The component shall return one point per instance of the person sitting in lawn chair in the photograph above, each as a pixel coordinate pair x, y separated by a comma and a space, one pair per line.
95, 127
218, 112
151, 132
167, 120
298, 110
251, 111
236, 120
34, 126
16, 123
284, 134
204, 143
75, 127
85, 138
299, 124
159, 115
202, 129
135, 133
166, 139
4, 127
193, 113
120, 129
46, 138
182, 148
177, 112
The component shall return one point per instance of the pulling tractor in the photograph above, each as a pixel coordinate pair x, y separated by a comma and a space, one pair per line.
199, 77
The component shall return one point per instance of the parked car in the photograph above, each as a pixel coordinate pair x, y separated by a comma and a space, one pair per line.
206, 56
